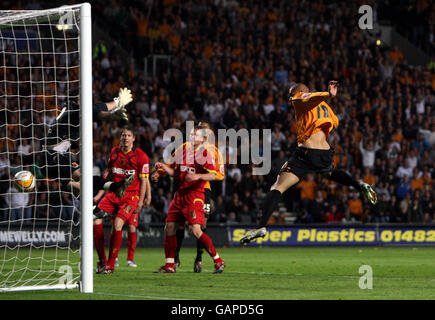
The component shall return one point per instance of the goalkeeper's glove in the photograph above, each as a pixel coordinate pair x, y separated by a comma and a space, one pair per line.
124, 97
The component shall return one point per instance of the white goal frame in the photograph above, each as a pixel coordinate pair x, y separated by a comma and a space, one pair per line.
85, 284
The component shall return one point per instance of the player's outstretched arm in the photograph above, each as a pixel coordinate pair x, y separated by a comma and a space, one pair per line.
160, 165
116, 109
98, 196
310, 100
210, 176
148, 194
142, 193
333, 88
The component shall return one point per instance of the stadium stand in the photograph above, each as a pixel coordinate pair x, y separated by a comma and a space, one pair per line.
232, 63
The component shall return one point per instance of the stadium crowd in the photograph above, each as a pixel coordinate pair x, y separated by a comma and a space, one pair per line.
232, 64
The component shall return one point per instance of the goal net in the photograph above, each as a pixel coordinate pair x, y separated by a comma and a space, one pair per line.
46, 128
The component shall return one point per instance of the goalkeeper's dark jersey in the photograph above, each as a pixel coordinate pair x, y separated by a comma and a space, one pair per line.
67, 123
56, 160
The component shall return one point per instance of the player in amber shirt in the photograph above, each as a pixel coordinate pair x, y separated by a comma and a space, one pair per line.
315, 120
195, 168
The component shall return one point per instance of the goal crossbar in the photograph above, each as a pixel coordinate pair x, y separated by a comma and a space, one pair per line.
14, 15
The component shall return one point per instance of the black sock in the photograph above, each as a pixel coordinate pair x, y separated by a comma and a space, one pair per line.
199, 248
180, 238
270, 204
344, 178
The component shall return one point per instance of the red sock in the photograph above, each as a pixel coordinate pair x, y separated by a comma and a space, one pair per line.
115, 245
170, 244
99, 241
208, 245
131, 245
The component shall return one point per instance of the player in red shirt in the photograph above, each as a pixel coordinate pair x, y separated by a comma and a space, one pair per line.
195, 167
125, 160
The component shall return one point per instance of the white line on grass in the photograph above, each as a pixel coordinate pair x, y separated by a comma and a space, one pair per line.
307, 275
138, 296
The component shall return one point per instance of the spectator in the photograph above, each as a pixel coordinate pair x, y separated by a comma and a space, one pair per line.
415, 213
404, 206
396, 55
416, 180
18, 204
368, 153
235, 206
404, 170
382, 210
421, 144
185, 113
332, 214
153, 122
218, 210
278, 218
316, 208
355, 207
277, 139
368, 177
404, 187
307, 188
232, 219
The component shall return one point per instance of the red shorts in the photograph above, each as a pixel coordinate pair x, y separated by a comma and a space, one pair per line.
187, 207
133, 220
122, 208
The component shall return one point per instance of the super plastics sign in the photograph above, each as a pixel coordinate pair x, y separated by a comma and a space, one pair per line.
339, 236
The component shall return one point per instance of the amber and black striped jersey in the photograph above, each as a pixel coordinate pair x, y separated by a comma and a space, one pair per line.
313, 114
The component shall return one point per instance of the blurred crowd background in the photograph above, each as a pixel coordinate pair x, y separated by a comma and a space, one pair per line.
231, 63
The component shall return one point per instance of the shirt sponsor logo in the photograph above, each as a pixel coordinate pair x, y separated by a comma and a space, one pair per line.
187, 169
123, 171
145, 168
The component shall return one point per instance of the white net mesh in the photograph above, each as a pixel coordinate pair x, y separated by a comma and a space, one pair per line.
39, 132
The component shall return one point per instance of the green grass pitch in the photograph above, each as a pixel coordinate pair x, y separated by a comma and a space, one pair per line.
318, 273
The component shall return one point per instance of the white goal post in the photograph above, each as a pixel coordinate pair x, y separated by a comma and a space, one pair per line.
46, 236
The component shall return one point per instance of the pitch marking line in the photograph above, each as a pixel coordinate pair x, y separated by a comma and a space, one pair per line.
138, 296
307, 275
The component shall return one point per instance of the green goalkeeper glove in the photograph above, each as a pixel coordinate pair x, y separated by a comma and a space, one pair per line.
124, 97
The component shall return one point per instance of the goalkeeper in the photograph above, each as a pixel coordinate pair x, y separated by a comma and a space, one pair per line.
63, 135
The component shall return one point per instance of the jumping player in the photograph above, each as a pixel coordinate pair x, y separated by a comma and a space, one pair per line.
125, 161
195, 167
315, 120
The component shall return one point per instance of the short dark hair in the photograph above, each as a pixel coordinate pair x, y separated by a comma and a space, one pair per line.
204, 124
129, 128
298, 87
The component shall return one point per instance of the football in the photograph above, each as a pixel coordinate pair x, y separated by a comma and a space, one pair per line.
24, 181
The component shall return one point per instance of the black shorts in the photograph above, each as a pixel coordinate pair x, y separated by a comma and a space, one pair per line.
55, 165
207, 197
304, 160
